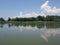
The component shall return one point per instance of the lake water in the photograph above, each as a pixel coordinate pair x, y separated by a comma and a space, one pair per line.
17, 34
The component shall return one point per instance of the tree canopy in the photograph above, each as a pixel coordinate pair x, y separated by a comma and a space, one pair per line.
38, 18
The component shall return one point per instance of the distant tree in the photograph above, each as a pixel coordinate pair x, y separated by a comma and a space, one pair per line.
52, 18
49, 18
9, 19
1, 19
40, 18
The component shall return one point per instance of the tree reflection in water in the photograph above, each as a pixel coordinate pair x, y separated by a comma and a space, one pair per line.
46, 29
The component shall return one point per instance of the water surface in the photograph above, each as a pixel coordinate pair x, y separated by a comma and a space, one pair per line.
27, 34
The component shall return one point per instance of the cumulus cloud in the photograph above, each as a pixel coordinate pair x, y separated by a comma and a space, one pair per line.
45, 10
48, 10
28, 15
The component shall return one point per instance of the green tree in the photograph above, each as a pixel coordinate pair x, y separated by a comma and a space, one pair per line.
1, 19
40, 18
9, 19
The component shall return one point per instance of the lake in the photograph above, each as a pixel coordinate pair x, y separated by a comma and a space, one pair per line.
30, 34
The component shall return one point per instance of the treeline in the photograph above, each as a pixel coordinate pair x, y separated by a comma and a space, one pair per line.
38, 18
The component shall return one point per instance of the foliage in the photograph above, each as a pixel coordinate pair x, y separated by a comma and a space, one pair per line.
1, 19
38, 18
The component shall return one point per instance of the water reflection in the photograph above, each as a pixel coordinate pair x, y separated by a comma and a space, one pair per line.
53, 25
1, 25
46, 33
46, 30
38, 25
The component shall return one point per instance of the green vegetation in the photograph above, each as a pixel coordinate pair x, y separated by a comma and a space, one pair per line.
38, 18
39, 21
1, 19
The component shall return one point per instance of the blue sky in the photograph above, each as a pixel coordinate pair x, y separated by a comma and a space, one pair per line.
10, 8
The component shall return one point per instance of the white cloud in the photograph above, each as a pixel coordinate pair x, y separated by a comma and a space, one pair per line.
28, 15
48, 10
45, 10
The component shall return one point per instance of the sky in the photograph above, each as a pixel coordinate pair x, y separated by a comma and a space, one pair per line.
28, 8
